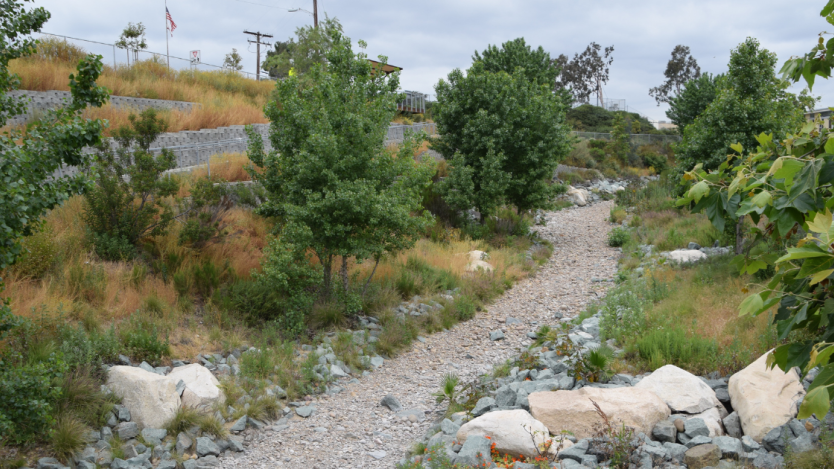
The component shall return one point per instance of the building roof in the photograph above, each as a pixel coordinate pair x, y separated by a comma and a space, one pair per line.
386, 68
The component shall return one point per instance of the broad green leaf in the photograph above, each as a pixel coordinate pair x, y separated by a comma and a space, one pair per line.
764, 139
820, 276
804, 252
762, 199
776, 166
822, 226
755, 266
829, 145
788, 169
820, 358
699, 190
737, 147
750, 304
816, 402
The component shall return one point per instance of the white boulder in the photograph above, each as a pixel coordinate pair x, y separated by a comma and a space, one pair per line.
151, 398
577, 196
765, 398
684, 256
201, 387
477, 262
680, 390
510, 430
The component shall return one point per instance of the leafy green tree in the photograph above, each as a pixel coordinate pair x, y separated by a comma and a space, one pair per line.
751, 100
334, 180
695, 96
679, 70
233, 61
502, 132
126, 203
28, 187
302, 54
620, 144
133, 39
585, 74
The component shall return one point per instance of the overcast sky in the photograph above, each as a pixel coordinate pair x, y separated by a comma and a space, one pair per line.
429, 38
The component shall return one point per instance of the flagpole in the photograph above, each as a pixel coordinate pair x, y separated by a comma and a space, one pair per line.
167, 50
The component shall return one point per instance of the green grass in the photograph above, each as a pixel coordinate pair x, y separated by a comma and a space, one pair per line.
68, 436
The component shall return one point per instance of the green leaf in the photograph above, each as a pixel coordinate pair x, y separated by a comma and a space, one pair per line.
751, 304
824, 378
699, 190
829, 145
816, 402
755, 266
809, 250
737, 147
820, 276
762, 199
788, 169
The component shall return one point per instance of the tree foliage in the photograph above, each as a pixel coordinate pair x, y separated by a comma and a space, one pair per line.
301, 54
681, 68
695, 96
817, 62
28, 188
334, 182
233, 61
585, 74
749, 101
133, 39
502, 131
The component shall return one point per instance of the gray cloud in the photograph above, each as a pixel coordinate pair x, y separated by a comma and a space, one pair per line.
432, 37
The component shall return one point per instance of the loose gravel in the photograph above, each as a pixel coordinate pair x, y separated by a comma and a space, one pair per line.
352, 429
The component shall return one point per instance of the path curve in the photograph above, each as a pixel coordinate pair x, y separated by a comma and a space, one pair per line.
348, 426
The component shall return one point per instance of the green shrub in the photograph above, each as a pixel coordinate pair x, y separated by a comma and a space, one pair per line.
87, 282
206, 278
674, 346
259, 364
68, 437
617, 215
38, 254
618, 237
140, 337
82, 398
112, 247
464, 307
82, 348
653, 160
257, 302
26, 411
209, 202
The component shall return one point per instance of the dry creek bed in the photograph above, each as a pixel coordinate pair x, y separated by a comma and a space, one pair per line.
352, 429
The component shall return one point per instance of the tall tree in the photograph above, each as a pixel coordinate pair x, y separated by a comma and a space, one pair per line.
695, 96
335, 186
300, 54
133, 39
749, 101
27, 169
233, 61
502, 128
681, 68
585, 74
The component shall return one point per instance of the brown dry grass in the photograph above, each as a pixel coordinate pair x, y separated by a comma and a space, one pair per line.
227, 166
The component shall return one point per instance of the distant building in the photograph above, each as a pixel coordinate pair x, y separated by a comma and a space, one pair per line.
825, 115
661, 125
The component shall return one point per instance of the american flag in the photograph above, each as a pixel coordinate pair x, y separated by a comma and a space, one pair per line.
173, 25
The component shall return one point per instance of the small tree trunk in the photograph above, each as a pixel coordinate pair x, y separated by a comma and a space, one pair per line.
739, 235
344, 273
368, 282
327, 264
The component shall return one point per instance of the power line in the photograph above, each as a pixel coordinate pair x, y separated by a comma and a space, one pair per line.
258, 35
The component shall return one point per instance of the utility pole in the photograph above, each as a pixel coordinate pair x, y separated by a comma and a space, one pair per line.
316, 13
258, 35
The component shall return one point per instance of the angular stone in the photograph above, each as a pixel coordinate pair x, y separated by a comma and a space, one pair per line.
696, 427
305, 411
475, 452
675, 451
730, 447
749, 445
732, 425
183, 443
206, 447
702, 456
151, 398
202, 389
505, 397
680, 390
154, 436
484, 405
766, 461
448, 427
391, 403
574, 411
665, 431
698, 441
777, 439
236, 443
801, 444
127, 430
764, 398
509, 430
167, 464
496, 335
239, 425
575, 452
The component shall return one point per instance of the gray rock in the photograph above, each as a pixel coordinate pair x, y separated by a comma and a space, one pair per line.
87, 454
377, 361
511, 320
257, 424
206, 447
208, 461
777, 439
223, 444
732, 424
112, 420
130, 451
239, 425
391, 403
766, 461
167, 464
183, 443
85, 465
496, 335
377, 454
106, 433
665, 431
522, 400
505, 397
127, 430
576, 451
484, 405
589, 460
305, 411
449, 428
337, 371
802, 443
698, 441
187, 464
236, 443
119, 464
696, 427
657, 453
49, 463
145, 366
413, 415
749, 445
475, 451
544, 375
731, 448
154, 436
124, 360
675, 451
122, 412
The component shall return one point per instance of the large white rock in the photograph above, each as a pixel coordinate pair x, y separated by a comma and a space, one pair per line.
764, 398
510, 430
201, 387
474, 266
685, 256
680, 390
577, 196
151, 398
573, 411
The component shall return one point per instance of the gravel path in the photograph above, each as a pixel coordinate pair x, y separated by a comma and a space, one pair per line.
349, 426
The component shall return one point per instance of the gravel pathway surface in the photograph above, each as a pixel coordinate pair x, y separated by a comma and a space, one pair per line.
352, 430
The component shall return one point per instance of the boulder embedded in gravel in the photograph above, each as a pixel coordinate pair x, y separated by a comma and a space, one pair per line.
239, 425
152, 399
684, 256
206, 447
573, 410
732, 425
305, 411
413, 415
702, 456
484, 405
202, 389
475, 452
449, 428
391, 403
496, 335
665, 431
765, 398
505, 397
127, 430
510, 430
578, 196
680, 390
